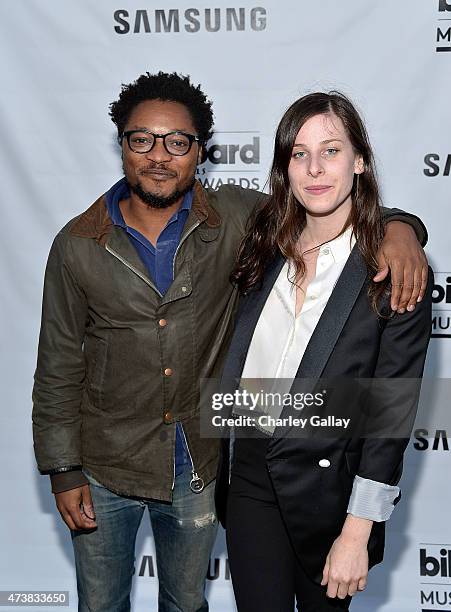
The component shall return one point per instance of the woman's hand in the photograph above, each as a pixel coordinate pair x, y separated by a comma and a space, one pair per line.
402, 255
346, 569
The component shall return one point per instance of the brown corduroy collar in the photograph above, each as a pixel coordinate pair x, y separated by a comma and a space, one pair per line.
96, 223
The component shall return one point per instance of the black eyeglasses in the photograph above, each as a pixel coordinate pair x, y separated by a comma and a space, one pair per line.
175, 143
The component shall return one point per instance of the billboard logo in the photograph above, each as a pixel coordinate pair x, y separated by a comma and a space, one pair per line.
232, 158
441, 293
441, 305
233, 153
435, 565
443, 38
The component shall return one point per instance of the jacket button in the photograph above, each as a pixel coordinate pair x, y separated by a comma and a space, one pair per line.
324, 463
168, 372
162, 322
167, 418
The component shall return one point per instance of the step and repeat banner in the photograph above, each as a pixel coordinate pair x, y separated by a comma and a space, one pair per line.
62, 63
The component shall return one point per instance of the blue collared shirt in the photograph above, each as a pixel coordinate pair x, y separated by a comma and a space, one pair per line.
158, 260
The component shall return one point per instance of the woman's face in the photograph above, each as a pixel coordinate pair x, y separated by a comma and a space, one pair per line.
322, 166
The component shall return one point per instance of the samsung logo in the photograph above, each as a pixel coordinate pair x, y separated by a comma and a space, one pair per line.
436, 165
191, 20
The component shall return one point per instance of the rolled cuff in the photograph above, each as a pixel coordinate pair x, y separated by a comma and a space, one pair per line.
65, 481
372, 500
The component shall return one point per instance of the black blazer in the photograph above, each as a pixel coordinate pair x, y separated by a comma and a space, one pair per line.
350, 341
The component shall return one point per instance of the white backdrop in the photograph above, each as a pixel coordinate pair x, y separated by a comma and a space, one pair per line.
63, 62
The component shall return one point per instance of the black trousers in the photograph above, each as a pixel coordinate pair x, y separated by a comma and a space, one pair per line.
266, 574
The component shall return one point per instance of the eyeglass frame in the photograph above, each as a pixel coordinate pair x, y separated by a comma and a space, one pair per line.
190, 137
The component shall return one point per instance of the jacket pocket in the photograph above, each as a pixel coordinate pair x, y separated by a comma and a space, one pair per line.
96, 355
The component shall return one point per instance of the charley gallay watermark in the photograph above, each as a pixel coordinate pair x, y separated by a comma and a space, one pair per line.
267, 421
266, 410
343, 407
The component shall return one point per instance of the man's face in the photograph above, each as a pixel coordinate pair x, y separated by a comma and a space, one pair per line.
157, 177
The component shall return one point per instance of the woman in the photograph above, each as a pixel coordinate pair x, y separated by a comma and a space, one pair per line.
305, 515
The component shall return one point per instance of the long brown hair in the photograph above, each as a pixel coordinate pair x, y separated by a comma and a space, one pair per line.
278, 224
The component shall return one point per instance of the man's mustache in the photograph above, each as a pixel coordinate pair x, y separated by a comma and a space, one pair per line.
156, 169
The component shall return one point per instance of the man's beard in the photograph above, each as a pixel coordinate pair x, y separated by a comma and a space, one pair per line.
155, 201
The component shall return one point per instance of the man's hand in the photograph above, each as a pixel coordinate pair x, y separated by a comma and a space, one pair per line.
346, 569
402, 255
76, 509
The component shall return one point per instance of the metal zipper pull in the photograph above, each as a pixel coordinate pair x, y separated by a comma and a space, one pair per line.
197, 484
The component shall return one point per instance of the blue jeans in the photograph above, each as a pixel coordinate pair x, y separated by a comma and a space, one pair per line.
184, 533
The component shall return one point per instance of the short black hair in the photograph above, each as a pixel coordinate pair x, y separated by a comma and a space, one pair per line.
169, 87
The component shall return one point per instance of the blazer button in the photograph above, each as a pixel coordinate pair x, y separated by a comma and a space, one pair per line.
167, 418
162, 322
168, 372
324, 463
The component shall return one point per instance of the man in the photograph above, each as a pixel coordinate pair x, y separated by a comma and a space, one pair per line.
137, 308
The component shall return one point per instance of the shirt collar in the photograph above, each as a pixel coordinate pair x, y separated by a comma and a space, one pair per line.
339, 247
120, 191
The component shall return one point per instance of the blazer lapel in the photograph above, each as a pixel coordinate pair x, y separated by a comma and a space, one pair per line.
334, 316
249, 310
327, 331
323, 340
